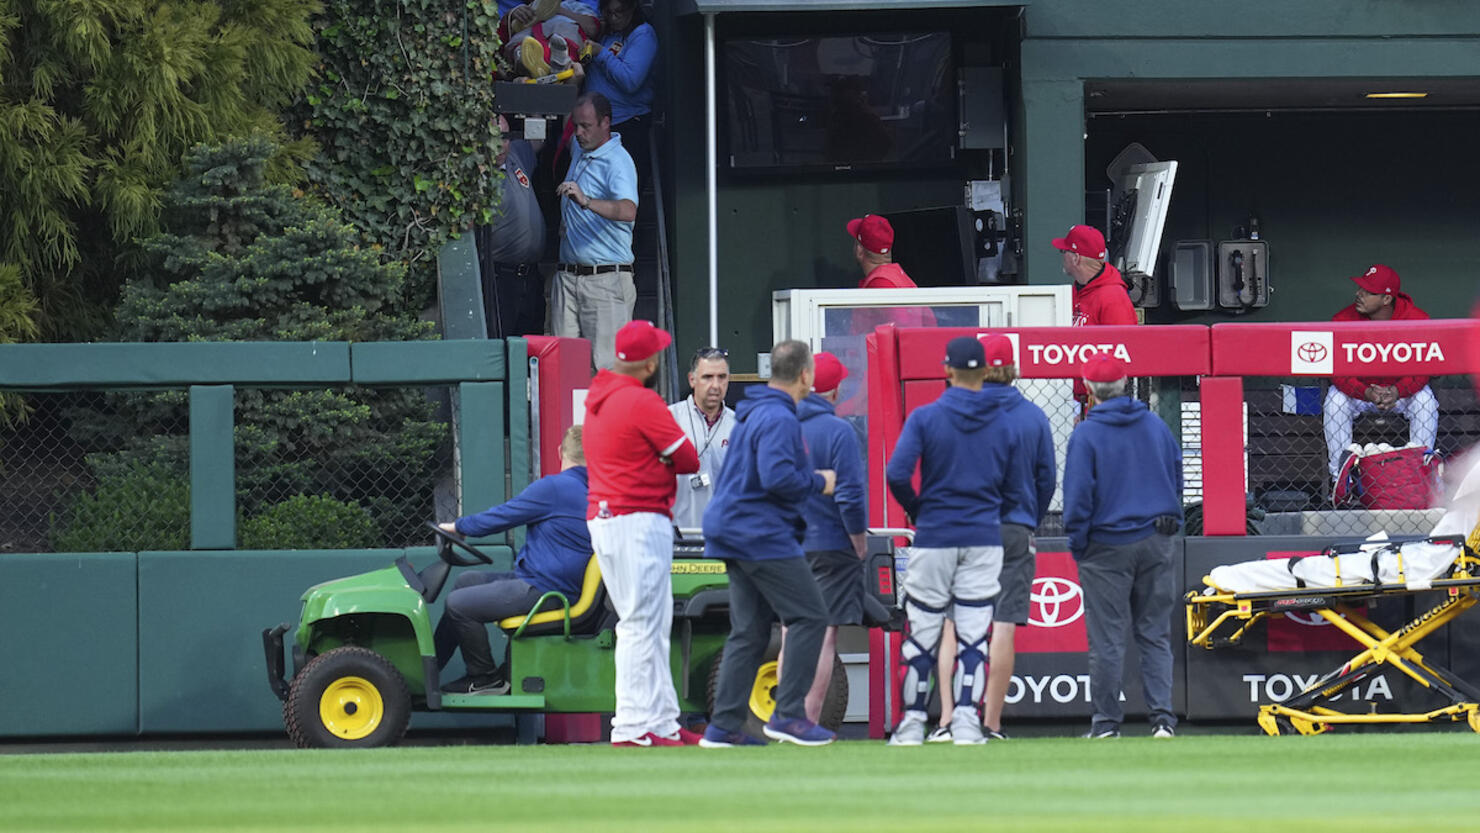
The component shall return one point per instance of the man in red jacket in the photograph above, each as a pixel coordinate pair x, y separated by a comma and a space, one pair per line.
873, 249
634, 450
1100, 296
1380, 297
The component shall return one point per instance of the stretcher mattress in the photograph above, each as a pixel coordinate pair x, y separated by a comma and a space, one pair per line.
1378, 561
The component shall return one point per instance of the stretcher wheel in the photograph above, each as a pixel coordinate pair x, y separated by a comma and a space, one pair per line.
1475, 720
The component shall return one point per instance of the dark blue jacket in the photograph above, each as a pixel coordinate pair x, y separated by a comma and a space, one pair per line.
1031, 473
958, 442
833, 444
1122, 471
755, 513
558, 545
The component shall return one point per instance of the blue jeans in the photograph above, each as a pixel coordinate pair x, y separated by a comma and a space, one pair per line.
477, 599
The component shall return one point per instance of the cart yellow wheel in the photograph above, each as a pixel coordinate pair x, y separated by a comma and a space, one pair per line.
351, 708
763, 691
348, 697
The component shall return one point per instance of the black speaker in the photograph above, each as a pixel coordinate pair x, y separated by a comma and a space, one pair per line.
936, 246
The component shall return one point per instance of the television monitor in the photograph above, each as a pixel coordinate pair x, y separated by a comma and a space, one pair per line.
840, 102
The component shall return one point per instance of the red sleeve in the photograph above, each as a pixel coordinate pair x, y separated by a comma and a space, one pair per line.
1409, 385
1351, 386
655, 422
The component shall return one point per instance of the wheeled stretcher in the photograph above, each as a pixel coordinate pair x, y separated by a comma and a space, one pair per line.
1333, 585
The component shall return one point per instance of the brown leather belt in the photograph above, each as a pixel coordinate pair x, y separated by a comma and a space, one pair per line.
583, 269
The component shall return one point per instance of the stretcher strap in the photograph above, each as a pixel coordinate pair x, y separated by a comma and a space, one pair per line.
1290, 565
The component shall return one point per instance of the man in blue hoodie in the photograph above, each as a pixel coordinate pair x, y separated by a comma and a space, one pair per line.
957, 552
1122, 503
556, 550
836, 524
754, 522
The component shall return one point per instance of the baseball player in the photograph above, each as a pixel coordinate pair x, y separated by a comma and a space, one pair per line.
957, 554
634, 450
836, 524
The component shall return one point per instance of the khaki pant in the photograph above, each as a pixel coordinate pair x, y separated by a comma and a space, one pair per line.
592, 307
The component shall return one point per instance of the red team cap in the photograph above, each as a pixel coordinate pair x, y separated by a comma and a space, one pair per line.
1380, 280
1084, 240
998, 350
640, 340
873, 233
1103, 367
830, 373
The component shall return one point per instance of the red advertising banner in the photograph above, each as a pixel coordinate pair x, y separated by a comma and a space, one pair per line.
1345, 348
1059, 352
1055, 609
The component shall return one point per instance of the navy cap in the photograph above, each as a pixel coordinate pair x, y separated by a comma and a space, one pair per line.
965, 352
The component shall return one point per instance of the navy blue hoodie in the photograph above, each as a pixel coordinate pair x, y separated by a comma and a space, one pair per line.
833, 445
756, 510
958, 442
1031, 473
558, 545
1122, 471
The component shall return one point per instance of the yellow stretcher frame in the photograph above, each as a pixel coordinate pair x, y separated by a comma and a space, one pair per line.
1222, 618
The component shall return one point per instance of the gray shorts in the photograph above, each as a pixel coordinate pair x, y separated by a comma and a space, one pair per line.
1019, 563
839, 576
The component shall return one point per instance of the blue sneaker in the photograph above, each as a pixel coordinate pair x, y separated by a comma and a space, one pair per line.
717, 738
800, 731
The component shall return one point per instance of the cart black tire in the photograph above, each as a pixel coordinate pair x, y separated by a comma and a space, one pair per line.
834, 706
348, 698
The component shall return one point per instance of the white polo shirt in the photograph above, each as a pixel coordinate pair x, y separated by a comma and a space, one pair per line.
712, 442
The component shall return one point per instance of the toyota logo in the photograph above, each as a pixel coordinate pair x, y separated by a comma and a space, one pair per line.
1054, 602
1311, 351
1306, 618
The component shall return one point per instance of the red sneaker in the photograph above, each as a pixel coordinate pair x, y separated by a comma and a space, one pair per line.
649, 739
689, 738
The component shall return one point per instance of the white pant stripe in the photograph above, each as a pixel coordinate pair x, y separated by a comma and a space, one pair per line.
636, 555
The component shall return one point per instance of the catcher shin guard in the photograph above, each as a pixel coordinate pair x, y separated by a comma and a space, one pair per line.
918, 652
973, 621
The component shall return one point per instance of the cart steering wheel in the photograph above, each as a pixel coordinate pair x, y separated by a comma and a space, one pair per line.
447, 541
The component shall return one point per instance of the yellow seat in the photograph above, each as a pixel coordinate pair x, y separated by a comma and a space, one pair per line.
582, 610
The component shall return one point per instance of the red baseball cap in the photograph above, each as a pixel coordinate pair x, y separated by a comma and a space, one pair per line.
873, 233
640, 340
1380, 280
1084, 240
1103, 367
830, 372
998, 350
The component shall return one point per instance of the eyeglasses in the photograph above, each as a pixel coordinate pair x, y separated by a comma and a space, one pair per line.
712, 353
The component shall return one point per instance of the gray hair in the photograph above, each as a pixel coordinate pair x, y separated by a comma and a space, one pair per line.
788, 360
1106, 390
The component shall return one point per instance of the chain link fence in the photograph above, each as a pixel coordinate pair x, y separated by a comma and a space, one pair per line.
332, 468
1300, 434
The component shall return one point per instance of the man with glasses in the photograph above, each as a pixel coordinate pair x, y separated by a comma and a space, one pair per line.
707, 421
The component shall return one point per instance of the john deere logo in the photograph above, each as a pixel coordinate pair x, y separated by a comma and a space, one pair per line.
698, 568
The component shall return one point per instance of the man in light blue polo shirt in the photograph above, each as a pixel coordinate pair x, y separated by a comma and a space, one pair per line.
593, 294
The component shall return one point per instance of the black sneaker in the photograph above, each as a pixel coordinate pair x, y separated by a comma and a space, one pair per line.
995, 734
481, 684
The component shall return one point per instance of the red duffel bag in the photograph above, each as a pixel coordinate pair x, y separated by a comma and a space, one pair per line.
1406, 478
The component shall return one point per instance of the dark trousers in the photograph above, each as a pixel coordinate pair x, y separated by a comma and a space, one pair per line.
637, 135
513, 295
478, 598
760, 592
1129, 587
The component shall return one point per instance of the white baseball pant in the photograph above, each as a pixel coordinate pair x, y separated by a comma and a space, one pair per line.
635, 552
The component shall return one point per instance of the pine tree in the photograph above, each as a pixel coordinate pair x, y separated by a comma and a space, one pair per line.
241, 259
99, 100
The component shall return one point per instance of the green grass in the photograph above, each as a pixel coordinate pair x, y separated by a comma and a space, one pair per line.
1407, 781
